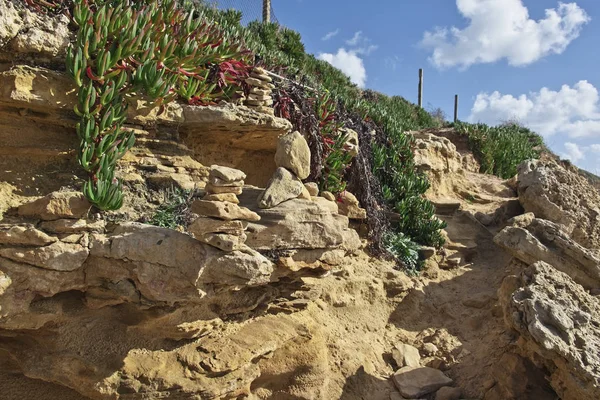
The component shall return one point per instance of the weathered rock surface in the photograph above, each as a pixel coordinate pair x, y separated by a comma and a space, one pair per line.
73, 226
57, 205
282, 187
223, 210
560, 195
533, 239
415, 382
223, 241
24, 235
58, 256
293, 154
406, 355
202, 226
227, 174
559, 326
243, 266
312, 188
228, 197
349, 206
299, 224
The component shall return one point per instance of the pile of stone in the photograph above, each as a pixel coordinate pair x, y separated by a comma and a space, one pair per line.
261, 86
223, 221
293, 164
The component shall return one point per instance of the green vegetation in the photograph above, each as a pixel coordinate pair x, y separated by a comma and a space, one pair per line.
174, 209
152, 48
403, 249
501, 149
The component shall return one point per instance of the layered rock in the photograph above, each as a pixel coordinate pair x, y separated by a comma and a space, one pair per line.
558, 324
557, 194
533, 239
259, 96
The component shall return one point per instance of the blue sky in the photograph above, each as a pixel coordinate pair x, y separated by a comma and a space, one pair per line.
535, 61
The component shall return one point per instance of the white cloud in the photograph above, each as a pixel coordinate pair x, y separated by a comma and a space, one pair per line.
349, 63
355, 39
572, 111
573, 152
330, 35
501, 29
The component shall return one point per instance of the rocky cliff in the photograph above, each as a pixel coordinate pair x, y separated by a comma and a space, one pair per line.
266, 291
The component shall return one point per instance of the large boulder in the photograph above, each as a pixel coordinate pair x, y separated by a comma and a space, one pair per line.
563, 196
533, 239
57, 205
559, 324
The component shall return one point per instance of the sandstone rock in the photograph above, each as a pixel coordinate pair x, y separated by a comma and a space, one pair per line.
212, 189
73, 226
57, 205
414, 382
228, 197
351, 144
201, 226
24, 235
166, 180
261, 74
348, 205
305, 194
406, 355
300, 224
543, 240
427, 252
429, 349
283, 186
244, 267
559, 324
565, 197
58, 256
312, 188
214, 181
293, 153
259, 83
252, 102
448, 393
227, 174
223, 210
328, 195
259, 98
260, 92
223, 241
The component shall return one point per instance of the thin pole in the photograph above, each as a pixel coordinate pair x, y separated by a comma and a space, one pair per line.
421, 87
455, 108
266, 11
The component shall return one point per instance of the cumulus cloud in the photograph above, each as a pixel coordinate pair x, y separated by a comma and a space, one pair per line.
573, 152
572, 111
349, 63
502, 29
331, 34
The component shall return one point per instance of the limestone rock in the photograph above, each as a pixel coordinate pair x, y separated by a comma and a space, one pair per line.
212, 189
73, 226
58, 256
328, 195
406, 355
228, 197
283, 186
57, 205
201, 226
293, 153
227, 174
414, 382
559, 324
244, 266
24, 235
565, 197
223, 241
312, 188
542, 240
305, 194
223, 210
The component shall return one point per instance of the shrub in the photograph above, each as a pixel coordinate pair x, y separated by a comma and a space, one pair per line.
501, 149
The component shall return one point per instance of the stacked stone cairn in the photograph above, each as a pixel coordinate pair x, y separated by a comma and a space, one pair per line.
223, 221
261, 86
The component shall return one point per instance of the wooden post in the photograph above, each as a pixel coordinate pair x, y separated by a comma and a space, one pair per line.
266, 11
421, 87
455, 108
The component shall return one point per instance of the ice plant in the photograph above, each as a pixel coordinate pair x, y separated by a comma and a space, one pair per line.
152, 48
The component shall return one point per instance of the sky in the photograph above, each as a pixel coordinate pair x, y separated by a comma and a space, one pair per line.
536, 62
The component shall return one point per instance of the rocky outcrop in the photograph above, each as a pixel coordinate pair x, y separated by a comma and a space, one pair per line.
283, 186
558, 324
532, 239
563, 196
